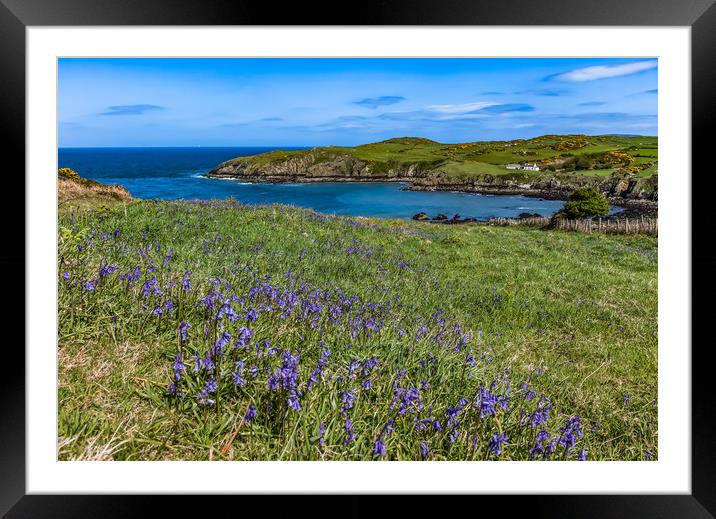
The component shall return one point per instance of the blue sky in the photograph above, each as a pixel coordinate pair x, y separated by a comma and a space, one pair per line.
348, 101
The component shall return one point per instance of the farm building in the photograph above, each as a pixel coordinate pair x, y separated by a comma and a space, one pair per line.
530, 167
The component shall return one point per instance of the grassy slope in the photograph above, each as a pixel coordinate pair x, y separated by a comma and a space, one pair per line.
490, 157
75, 193
582, 309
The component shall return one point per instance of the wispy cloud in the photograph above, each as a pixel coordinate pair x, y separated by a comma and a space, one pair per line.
130, 109
271, 119
541, 92
604, 71
508, 108
644, 92
460, 108
375, 102
592, 103
492, 93
608, 120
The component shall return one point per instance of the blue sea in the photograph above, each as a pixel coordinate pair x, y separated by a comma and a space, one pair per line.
177, 173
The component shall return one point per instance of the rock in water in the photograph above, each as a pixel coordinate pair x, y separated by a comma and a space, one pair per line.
421, 217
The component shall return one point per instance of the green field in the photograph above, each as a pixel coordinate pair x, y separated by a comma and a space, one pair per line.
491, 157
486, 322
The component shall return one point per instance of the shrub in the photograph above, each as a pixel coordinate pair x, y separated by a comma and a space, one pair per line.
69, 174
586, 202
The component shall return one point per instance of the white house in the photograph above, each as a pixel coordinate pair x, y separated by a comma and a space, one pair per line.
529, 167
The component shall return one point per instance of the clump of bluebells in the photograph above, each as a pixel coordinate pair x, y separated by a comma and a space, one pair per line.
309, 367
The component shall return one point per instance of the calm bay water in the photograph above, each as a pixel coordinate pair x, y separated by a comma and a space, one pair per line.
176, 173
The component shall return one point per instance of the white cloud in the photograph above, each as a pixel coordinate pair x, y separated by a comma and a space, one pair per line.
601, 72
461, 108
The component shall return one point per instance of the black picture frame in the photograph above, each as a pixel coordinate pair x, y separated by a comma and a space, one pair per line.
700, 15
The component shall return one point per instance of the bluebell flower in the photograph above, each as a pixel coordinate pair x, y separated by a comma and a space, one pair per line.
350, 433
186, 282
293, 401
379, 447
238, 375
242, 337
321, 430
424, 450
211, 385
571, 430
496, 443
174, 391
348, 397
251, 413
179, 367
183, 330
541, 415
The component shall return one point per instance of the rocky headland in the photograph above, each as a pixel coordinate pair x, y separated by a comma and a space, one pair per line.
638, 195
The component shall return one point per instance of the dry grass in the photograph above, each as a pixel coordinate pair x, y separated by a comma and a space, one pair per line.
70, 190
93, 450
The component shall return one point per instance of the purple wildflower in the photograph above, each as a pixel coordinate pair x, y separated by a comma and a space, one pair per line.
250, 413
496, 443
424, 450
183, 330
242, 337
179, 367
571, 430
186, 282
350, 433
379, 447
321, 430
238, 375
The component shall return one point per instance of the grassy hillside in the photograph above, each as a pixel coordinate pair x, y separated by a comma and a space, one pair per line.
77, 193
222, 331
590, 155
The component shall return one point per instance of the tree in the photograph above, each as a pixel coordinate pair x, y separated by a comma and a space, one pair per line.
586, 202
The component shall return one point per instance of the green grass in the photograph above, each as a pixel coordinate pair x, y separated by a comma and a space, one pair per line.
572, 315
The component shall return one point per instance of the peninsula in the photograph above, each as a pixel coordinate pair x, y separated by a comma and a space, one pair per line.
624, 168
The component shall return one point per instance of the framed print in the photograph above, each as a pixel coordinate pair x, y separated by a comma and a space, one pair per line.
271, 254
